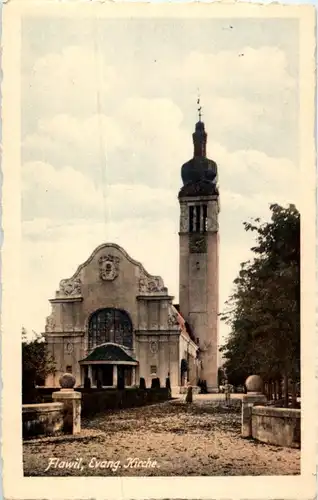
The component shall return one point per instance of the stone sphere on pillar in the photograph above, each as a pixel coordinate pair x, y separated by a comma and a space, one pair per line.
67, 381
254, 383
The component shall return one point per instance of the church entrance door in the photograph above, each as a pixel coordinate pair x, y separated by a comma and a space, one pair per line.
107, 375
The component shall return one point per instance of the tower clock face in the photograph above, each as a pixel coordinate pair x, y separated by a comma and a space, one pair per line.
197, 243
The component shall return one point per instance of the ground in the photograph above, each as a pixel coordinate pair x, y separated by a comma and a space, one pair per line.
165, 439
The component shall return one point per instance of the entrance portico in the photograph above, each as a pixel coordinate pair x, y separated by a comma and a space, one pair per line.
109, 364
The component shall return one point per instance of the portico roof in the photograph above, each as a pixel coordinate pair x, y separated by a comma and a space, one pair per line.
109, 353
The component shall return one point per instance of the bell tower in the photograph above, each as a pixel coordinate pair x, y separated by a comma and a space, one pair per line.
199, 253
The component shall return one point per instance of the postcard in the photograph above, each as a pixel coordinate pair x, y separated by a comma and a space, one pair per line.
158, 262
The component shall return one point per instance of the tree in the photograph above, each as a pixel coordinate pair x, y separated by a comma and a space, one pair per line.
37, 363
264, 309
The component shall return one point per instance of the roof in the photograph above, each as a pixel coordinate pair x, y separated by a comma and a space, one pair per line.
109, 352
184, 325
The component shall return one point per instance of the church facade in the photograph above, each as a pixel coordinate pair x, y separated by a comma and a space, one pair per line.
114, 321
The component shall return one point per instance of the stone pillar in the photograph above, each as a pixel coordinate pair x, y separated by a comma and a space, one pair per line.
194, 218
90, 374
133, 376
82, 375
115, 375
137, 375
72, 404
254, 385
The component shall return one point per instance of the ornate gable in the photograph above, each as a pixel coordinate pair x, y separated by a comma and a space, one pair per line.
110, 257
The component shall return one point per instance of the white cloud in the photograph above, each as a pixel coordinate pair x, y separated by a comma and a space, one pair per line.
143, 139
143, 169
138, 122
229, 113
248, 96
246, 93
47, 191
253, 173
151, 116
65, 193
73, 79
243, 71
86, 133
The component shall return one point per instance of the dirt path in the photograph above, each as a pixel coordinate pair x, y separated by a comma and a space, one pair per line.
165, 439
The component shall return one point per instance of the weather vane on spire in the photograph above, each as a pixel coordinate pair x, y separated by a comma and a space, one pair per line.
199, 106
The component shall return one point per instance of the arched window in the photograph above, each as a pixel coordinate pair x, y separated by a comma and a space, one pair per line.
110, 325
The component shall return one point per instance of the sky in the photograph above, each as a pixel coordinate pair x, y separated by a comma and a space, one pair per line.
108, 109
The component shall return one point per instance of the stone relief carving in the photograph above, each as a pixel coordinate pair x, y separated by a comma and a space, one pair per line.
50, 324
108, 267
151, 284
184, 218
197, 243
69, 347
153, 347
172, 319
71, 287
213, 216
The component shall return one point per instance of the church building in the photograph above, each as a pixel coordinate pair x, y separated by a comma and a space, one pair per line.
113, 320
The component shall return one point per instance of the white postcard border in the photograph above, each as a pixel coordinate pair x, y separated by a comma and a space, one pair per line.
17, 486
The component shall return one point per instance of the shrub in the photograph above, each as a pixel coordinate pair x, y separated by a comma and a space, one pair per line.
155, 383
142, 383
37, 364
204, 388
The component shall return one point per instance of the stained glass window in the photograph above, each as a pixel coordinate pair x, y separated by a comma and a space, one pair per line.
110, 325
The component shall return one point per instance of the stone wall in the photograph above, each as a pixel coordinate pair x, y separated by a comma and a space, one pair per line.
96, 400
44, 419
279, 426
100, 400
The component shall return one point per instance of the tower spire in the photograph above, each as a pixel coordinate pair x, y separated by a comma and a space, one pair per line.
199, 136
199, 106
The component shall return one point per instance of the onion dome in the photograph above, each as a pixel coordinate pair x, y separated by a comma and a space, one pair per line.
199, 175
